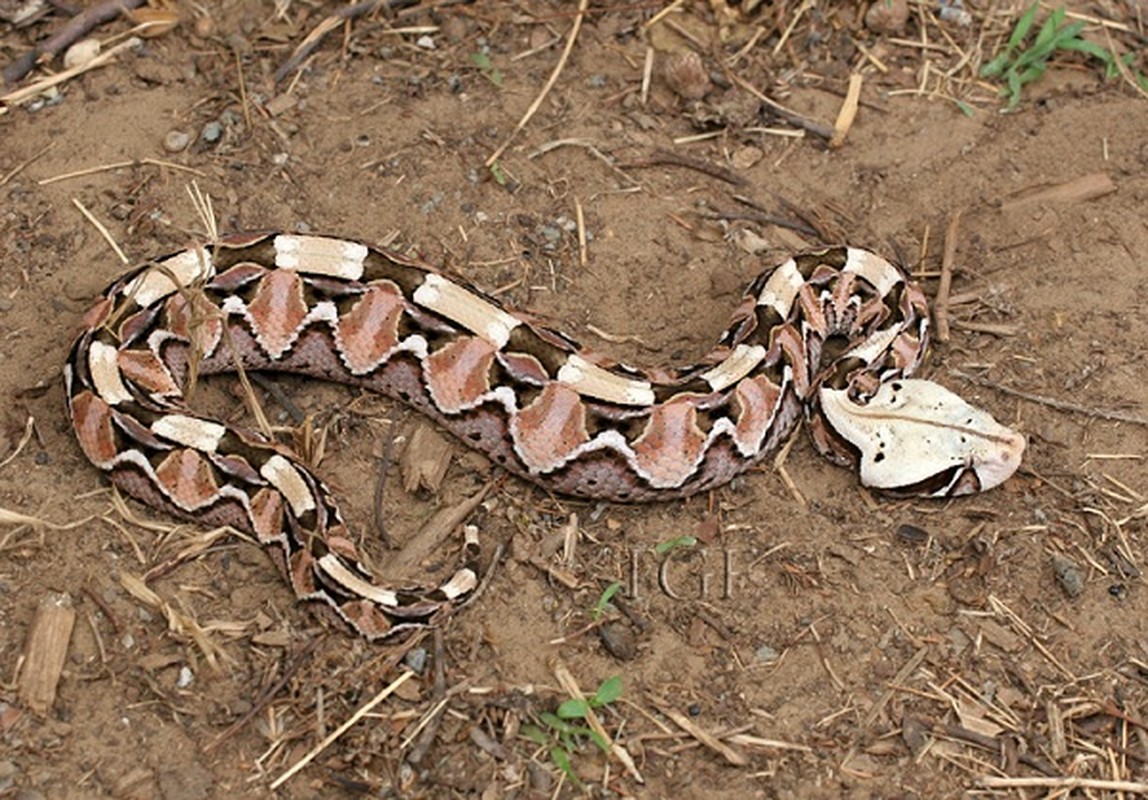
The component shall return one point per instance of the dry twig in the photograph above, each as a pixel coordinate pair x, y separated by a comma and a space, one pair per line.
76, 27
546, 87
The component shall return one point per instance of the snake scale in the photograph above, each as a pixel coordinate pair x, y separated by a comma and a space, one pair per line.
530, 398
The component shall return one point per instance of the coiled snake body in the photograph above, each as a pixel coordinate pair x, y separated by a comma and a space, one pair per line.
529, 397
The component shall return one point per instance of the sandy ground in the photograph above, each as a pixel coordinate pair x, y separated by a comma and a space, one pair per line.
836, 643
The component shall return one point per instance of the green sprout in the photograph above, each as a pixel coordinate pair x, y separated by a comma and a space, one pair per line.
487, 68
674, 544
498, 173
563, 735
604, 600
1019, 65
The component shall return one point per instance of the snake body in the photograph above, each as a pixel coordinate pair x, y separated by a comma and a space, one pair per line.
530, 398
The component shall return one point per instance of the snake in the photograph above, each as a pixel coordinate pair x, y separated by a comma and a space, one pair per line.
830, 336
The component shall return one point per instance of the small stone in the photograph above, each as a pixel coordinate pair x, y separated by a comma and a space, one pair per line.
416, 659
1068, 575
212, 132
455, 28
425, 42
186, 678
686, 75
204, 26
619, 641
176, 141
765, 654
887, 16
81, 53
746, 157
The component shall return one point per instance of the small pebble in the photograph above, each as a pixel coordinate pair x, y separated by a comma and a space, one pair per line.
416, 659
176, 141
887, 16
81, 53
765, 654
204, 26
619, 641
746, 157
425, 42
686, 75
1068, 575
186, 678
212, 132
911, 534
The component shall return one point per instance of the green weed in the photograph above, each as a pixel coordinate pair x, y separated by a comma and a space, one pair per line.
563, 734
604, 600
1019, 64
487, 68
661, 548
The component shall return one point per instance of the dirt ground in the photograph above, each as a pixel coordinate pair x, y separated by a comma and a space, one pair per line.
818, 640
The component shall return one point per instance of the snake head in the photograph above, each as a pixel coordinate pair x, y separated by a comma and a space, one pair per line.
915, 437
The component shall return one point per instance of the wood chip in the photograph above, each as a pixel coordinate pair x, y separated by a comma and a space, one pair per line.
705, 737
45, 650
433, 534
425, 460
1078, 190
1000, 636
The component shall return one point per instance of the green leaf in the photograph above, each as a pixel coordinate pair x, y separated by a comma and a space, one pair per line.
481, 60
996, 66
599, 740
561, 759
573, 708
965, 108
604, 600
1089, 48
1023, 25
673, 544
609, 691
498, 174
1047, 36
557, 723
534, 734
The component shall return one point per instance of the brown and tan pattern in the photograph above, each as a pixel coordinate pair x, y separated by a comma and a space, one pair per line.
530, 398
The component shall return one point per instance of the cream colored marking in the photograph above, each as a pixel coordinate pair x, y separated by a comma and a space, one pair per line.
870, 266
593, 381
356, 585
320, 255
467, 309
190, 431
460, 583
736, 366
103, 363
877, 343
281, 474
781, 288
155, 283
